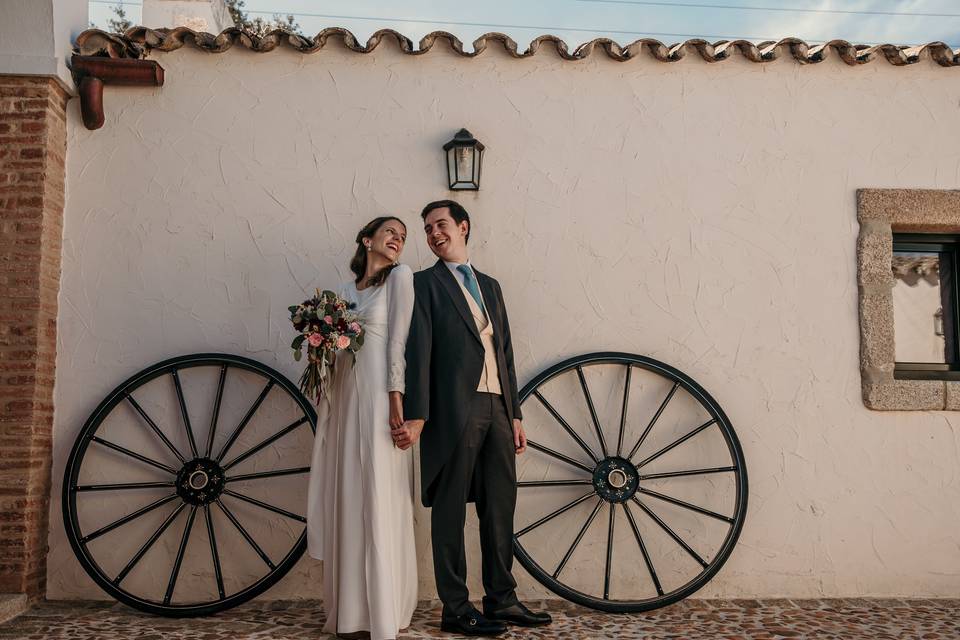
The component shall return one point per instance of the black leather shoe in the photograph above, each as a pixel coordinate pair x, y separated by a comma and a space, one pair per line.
519, 615
473, 624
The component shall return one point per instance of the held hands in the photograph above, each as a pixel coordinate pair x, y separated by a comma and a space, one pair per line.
519, 437
404, 433
407, 434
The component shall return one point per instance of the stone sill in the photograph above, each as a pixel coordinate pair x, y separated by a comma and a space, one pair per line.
912, 395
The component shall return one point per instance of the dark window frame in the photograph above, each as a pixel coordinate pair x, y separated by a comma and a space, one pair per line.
948, 245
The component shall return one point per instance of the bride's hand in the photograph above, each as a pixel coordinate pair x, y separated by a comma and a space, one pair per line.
396, 410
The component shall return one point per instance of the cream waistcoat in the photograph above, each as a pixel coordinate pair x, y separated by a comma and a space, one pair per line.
489, 378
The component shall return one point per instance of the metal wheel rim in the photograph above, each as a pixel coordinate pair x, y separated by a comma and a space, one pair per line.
72, 470
733, 446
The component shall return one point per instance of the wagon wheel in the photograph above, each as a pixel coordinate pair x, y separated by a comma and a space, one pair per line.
183, 494
667, 479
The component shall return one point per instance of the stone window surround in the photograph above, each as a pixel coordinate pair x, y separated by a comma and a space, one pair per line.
881, 213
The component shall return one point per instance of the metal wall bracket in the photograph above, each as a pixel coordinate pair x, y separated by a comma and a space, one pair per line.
93, 72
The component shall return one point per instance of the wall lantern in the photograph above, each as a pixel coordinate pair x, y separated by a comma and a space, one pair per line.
464, 159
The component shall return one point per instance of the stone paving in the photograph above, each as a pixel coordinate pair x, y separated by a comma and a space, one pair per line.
846, 619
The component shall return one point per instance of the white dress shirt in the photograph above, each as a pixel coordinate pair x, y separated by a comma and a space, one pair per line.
459, 276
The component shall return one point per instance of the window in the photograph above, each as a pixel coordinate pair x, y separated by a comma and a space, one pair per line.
925, 316
908, 257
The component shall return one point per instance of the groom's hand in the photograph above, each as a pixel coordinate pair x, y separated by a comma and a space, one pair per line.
407, 435
519, 437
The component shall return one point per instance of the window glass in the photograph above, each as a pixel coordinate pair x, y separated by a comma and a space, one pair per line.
919, 293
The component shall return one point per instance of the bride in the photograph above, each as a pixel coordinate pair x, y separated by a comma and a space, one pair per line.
360, 509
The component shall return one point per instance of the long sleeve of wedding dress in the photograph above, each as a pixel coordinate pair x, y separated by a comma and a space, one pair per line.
399, 311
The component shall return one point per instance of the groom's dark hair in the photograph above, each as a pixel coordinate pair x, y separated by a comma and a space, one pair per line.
457, 212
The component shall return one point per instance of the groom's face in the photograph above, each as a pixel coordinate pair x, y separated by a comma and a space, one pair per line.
446, 238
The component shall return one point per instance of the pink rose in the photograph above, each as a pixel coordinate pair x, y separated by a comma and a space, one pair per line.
343, 342
315, 339
355, 327
328, 319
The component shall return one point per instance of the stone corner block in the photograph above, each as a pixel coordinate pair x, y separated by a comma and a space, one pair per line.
952, 402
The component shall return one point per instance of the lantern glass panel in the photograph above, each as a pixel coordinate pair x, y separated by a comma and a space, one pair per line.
451, 169
464, 161
477, 165
463, 167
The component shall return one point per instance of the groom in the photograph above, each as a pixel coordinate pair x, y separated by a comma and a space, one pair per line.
462, 396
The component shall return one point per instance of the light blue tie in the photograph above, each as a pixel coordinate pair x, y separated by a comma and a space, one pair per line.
470, 282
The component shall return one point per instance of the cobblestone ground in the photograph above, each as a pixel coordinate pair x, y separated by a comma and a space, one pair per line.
727, 619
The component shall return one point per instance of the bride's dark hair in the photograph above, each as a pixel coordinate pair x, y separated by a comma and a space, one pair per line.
359, 262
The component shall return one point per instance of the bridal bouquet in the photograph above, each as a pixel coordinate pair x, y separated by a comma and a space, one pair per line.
325, 325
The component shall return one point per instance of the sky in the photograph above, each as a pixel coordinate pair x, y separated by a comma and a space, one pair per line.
907, 22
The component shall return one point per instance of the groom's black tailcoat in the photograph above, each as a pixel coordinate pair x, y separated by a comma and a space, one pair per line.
445, 361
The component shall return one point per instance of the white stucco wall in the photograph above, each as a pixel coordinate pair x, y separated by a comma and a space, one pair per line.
700, 214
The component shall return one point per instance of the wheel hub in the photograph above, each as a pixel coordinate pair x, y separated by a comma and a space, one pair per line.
615, 479
200, 481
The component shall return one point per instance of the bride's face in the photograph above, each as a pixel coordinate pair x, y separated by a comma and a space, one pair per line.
389, 239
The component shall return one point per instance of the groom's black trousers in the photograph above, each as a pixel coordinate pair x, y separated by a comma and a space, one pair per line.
486, 457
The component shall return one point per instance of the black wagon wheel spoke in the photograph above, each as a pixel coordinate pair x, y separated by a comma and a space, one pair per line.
153, 427
183, 412
123, 486
149, 543
192, 482
686, 505
128, 518
687, 472
265, 443
623, 410
551, 516
214, 554
673, 534
576, 541
133, 454
175, 572
566, 426
653, 420
216, 412
676, 443
606, 571
617, 479
246, 418
552, 483
643, 550
559, 456
265, 505
246, 535
593, 411
268, 474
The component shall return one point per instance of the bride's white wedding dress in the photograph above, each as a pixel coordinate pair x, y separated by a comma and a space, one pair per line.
360, 509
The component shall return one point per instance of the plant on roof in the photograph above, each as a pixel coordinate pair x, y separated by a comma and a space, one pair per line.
260, 26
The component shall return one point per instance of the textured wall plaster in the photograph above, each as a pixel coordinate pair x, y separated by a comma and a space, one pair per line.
702, 214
